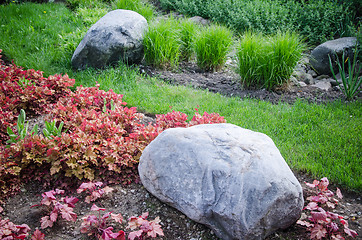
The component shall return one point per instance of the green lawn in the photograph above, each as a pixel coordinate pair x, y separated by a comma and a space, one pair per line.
324, 140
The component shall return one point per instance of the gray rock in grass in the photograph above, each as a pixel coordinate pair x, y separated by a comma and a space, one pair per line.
231, 179
116, 36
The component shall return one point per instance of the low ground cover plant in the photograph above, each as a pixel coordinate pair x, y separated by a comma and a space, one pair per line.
268, 61
97, 225
320, 220
56, 206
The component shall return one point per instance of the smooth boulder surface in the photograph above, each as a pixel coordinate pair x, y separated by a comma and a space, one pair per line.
319, 58
231, 179
116, 36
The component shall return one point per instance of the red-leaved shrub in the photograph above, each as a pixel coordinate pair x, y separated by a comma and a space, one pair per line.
102, 138
28, 90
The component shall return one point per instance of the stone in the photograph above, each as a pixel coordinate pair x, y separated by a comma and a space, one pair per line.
302, 84
323, 85
335, 82
308, 79
322, 77
231, 179
200, 20
302, 76
293, 81
116, 36
319, 56
312, 73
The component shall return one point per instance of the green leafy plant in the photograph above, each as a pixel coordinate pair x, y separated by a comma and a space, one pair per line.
268, 61
352, 80
22, 129
105, 105
25, 82
162, 43
316, 20
51, 130
212, 45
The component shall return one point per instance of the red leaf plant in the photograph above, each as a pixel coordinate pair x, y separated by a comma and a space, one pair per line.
319, 222
98, 225
38, 235
93, 188
104, 138
146, 228
9, 230
36, 97
64, 207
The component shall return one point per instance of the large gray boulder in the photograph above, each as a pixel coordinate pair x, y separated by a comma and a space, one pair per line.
231, 179
116, 36
319, 56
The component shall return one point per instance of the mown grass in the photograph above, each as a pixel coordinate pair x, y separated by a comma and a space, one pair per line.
323, 140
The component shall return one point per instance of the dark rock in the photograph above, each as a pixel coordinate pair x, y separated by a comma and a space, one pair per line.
319, 56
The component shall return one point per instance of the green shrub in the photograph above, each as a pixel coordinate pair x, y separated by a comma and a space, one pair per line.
317, 20
162, 44
188, 30
143, 8
268, 61
212, 45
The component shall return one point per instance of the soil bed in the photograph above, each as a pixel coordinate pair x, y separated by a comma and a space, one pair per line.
227, 83
134, 199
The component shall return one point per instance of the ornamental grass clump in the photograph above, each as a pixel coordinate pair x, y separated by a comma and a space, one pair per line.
268, 62
162, 44
212, 45
187, 35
